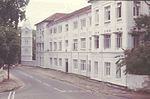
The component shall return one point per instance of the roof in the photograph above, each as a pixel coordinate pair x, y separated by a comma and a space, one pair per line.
57, 17
53, 17
75, 13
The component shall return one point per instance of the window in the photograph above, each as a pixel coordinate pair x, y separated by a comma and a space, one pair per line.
90, 21
67, 27
51, 31
50, 44
90, 42
75, 63
83, 65
83, 23
60, 46
89, 66
55, 30
55, 61
97, 17
83, 43
51, 61
107, 41
55, 46
96, 41
118, 72
136, 8
66, 43
96, 68
60, 28
119, 40
135, 41
107, 68
60, 62
75, 24
75, 44
119, 10
107, 13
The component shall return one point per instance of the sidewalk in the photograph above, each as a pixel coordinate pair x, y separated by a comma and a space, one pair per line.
92, 86
9, 85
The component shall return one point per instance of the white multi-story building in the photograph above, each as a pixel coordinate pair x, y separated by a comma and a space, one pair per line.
86, 41
26, 43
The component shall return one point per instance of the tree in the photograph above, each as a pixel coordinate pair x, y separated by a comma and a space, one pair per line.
11, 12
137, 60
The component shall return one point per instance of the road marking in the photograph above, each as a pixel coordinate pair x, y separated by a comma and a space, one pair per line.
59, 90
11, 95
46, 84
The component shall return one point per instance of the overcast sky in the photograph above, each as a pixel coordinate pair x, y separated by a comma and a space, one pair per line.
38, 10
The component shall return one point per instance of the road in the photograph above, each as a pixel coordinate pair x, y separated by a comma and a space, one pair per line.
40, 87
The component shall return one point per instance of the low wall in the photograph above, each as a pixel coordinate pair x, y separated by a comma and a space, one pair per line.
29, 63
2, 75
138, 82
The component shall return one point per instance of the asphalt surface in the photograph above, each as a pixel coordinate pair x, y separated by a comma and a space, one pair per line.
40, 87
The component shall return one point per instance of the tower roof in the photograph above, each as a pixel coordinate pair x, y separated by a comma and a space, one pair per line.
26, 24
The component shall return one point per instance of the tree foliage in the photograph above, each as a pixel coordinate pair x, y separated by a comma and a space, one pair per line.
11, 12
137, 60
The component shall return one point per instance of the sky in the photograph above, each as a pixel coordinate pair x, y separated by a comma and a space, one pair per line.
38, 10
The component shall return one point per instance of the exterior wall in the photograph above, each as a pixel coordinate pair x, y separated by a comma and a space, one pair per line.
89, 56
138, 82
26, 42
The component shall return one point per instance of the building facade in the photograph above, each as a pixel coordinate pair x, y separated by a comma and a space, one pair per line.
26, 43
87, 41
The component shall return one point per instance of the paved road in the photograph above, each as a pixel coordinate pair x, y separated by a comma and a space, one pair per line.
39, 87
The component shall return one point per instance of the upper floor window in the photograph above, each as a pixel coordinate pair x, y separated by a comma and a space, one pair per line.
96, 41
55, 46
75, 44
90, 43
119, 40
83, 65
136, 8
60, 46
75, 24
83, 23
107, 13
97, 17
107, 41
51, 31
67, 27
119, 7
66, 43
50, 46
60, 28
83, 43
55, 30
90, 21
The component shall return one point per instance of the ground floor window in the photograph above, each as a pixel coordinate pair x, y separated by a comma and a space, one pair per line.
75, 63
83, 65
107, 68
51, 61
60, 61
118, 72
55, 61
96, 68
